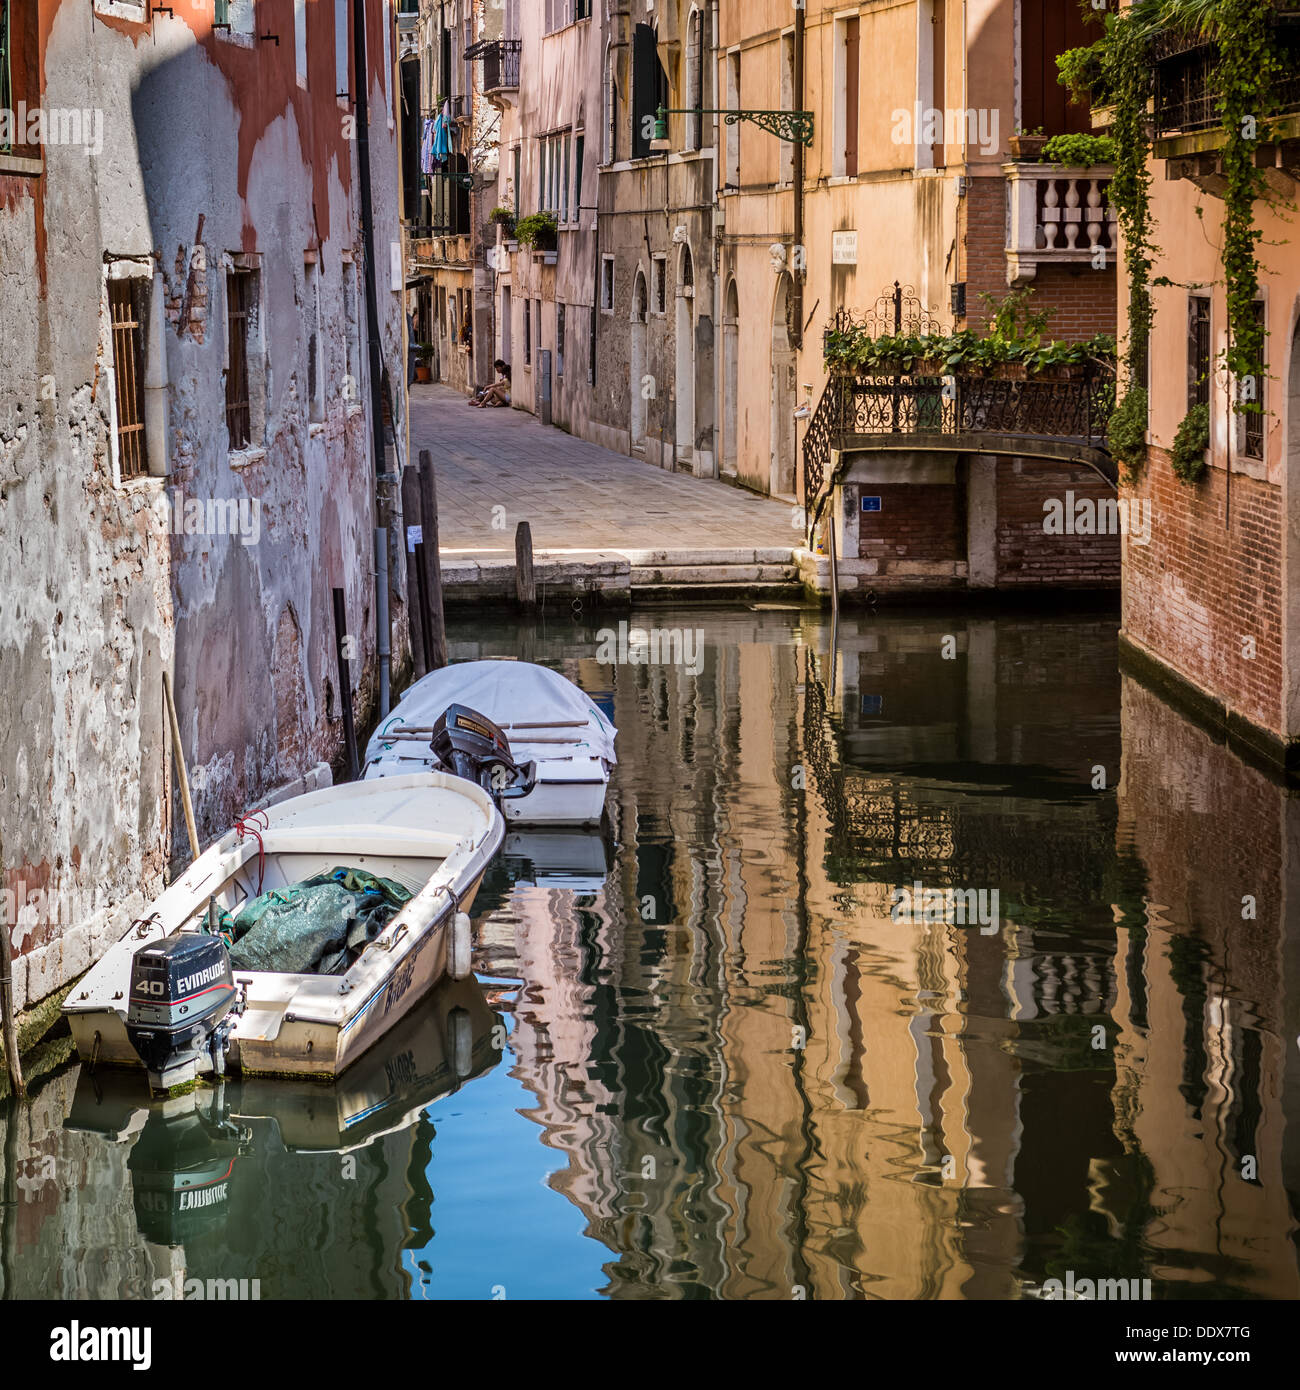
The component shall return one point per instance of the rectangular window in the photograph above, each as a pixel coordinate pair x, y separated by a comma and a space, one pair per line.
241, 297
1252, 421
6, 80
528, 334
579, 143
731, 133
126, 303
581, 9
559, 340
1198, 350
518, 176
844, 159
342, 48
607, 284
564, 184
315, 366
659, 285
300, 40
787, 104
649, 88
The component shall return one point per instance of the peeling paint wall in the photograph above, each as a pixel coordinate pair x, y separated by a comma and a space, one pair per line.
217, 156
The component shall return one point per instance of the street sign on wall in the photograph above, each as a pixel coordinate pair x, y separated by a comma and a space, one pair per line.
844, 248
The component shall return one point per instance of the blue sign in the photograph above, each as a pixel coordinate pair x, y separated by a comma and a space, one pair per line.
871, 504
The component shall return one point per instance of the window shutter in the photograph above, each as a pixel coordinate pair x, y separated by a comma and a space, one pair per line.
645, 59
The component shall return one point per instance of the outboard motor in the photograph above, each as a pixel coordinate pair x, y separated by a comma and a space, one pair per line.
181, 1008
468, 744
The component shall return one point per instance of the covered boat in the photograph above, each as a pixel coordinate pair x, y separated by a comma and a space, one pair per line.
300, 938
548, 721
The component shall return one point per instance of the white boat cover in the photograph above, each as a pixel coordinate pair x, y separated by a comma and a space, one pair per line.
508, 692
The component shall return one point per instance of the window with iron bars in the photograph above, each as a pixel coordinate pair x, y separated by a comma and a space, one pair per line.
1198, 350
241, 298
126, 304
6, 77
1251, 425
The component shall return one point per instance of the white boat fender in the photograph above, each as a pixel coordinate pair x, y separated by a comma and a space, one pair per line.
460, 1042
460, 947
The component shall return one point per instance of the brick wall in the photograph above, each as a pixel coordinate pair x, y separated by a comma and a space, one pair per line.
917, 521
1200, 588
1029, 555
1084, 299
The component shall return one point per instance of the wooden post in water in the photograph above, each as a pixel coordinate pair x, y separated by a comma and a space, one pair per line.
525, 579
12, 1060
341, 647
416, 617
436, 651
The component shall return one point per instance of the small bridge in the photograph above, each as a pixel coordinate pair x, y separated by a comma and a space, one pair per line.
1060, 418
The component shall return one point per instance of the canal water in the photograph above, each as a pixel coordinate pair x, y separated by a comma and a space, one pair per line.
937, 965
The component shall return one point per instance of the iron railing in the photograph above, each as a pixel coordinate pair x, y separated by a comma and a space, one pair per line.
1186, 87
1031, 409
500, 59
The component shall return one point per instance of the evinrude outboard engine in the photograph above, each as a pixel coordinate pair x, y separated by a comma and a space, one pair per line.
181, 1008
468, 744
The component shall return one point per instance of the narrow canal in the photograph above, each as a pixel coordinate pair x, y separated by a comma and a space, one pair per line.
714, 1053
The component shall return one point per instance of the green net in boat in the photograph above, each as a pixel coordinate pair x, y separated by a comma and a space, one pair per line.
316, 927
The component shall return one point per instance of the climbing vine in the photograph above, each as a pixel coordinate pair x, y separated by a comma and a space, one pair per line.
1247, 70
1118, 71
1187, 457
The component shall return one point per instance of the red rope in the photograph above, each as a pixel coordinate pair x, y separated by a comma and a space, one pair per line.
249, 824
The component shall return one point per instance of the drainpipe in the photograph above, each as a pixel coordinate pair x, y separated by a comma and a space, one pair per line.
796, 298
362, 102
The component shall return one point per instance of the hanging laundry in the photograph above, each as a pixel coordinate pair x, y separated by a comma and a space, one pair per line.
426, 146
441, 139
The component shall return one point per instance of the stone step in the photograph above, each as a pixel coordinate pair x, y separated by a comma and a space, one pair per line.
650, 594
643, 575
771, 555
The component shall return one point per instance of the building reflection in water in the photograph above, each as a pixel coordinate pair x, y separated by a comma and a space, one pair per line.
749, 1078
767, 1087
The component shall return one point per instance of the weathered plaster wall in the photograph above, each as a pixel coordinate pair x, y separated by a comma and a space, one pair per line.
211, 148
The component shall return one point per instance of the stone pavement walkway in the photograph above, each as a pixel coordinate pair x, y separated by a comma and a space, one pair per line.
576, 496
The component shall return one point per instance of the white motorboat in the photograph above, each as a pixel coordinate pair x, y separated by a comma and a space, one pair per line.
548, 721
373, 879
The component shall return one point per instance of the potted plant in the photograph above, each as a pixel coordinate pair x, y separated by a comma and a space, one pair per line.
1027, 145
1079, 151
539, 230
505, 219
423, 352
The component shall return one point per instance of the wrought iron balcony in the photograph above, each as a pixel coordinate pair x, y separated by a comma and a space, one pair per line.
1186, 87
1057, 217
500, 59
1033, 417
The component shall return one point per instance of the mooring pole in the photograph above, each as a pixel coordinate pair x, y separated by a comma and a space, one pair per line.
415, 602
341, 641
381, 619
437, 648
525, 579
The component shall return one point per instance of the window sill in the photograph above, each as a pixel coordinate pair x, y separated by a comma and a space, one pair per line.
238, 39
837, 180
245, 458
21, 164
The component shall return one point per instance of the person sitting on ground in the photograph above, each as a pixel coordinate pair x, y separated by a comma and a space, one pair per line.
499, 392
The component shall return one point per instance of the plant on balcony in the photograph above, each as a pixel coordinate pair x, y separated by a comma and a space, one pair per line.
1027, 144
1118, 70
503, 217
1190, 443
540, 230
1079, 151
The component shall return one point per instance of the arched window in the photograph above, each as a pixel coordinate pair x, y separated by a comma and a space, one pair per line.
695, 79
